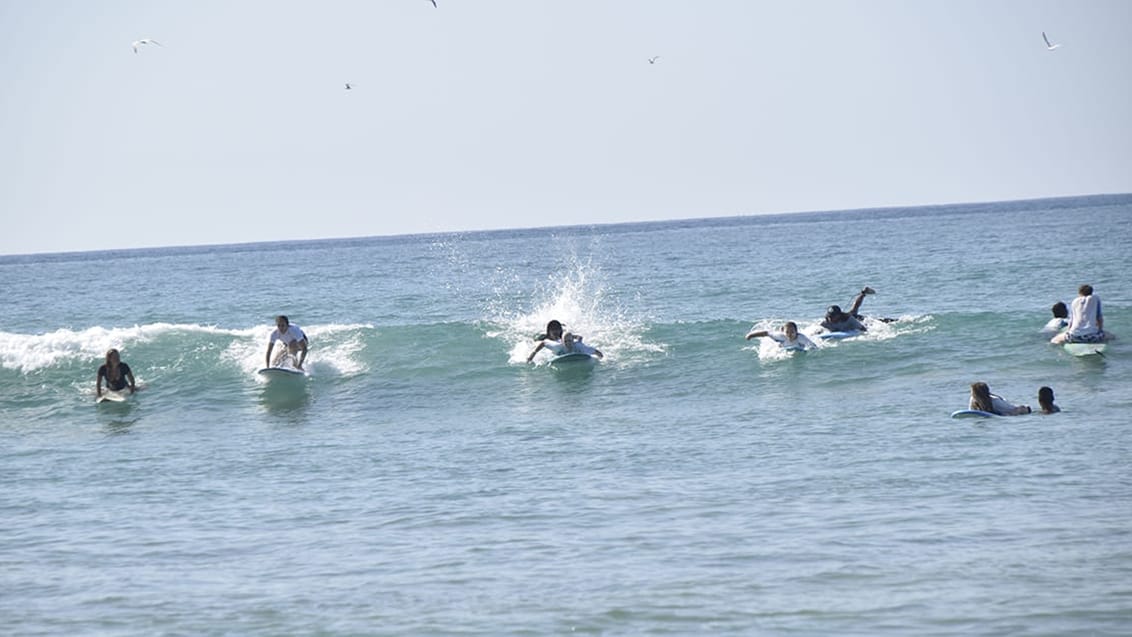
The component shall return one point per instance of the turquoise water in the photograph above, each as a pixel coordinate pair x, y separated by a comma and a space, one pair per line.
425, 481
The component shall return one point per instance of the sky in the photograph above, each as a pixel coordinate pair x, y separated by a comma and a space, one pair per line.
487, 114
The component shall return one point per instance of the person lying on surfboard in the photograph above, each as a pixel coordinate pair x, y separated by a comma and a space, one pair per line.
1060, 318
1086, 321
789, 338
983, 400
838, 321
293, 339
117, 374
560, 343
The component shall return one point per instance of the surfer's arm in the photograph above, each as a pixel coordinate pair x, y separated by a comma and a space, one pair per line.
270, 346
541, 345
756, 334
98, 384
303, 357
130, 377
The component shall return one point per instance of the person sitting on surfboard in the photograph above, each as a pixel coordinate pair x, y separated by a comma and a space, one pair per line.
788, 338
117, 374
560, 343
983, 400
1086, 322
1060, 318
837, 321
294, 341
1045, 401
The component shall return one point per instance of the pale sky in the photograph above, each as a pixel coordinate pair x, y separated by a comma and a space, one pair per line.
485, 114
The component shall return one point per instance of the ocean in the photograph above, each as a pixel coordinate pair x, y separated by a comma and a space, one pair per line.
425, 480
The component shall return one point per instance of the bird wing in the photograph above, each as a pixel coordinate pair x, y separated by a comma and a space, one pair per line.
1046, 39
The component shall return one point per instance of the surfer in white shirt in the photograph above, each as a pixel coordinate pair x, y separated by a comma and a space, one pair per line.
293, 339
788, 338
1060, 318
559, 342
1086, 321
983, 400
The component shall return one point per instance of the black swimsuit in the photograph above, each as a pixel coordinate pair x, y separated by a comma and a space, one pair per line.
119, 384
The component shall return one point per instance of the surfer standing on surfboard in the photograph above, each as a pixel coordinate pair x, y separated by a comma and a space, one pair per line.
560, 342
116, 373
294, 341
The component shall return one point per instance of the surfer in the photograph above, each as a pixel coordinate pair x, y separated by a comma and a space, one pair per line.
1086, 322
294, 341
1045, 401
838, 321
788, 338
1060, 318
560, 342
117, 374
983, 400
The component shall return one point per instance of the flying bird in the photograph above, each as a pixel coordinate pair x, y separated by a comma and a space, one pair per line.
143, 42
348, 87
653, 59
1049, 46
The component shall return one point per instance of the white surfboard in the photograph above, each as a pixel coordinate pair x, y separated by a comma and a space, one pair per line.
837, 336
1085, 349
282, 372
573, 358
972, 413
111, 396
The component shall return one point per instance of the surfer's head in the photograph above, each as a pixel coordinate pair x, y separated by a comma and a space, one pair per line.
112, 356
791, 329
834, 312
1085, 290
554, 330
980, 397
1059, 310
1045, 397
282, 323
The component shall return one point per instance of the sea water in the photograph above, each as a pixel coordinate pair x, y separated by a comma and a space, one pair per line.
425, 480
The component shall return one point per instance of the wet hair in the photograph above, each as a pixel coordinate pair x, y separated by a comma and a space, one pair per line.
1045, 398
980, 393
284, 317
834, 310
552, 326
1085, 290
111, 352
790, 324
1060, 310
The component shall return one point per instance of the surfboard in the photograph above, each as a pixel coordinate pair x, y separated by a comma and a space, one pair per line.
282, 372
1085, 349
111, 396
573, 358
971, 413
839, 335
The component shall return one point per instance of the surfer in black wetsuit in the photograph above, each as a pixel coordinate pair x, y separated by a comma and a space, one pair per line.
838, 321
117, 374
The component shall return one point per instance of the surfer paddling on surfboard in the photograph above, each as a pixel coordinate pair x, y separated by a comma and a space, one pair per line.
117, 374
983, 400
562, 343
838, 321
788, 338
293, 339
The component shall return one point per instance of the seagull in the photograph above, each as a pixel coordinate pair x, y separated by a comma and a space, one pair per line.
143, 42
1049, 46
653, 59
348, 87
